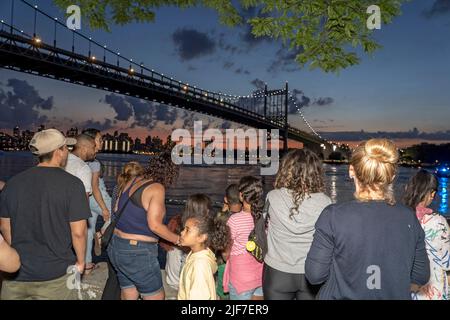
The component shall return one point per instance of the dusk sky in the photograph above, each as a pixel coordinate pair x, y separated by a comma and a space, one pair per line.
405, 85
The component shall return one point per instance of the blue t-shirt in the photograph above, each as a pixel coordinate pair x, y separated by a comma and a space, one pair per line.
367, 250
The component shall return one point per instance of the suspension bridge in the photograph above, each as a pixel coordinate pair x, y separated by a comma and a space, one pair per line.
33, 48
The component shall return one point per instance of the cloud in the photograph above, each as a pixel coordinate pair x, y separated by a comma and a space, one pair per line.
440, 7
225, 46
258, 83
191, 44
123, 110
302, 101
228, 65
142, 113
22, 105
323, 101
151, 115
241, 70
285, 60
102, 126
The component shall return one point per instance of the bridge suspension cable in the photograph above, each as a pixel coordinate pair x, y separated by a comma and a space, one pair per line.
292, 98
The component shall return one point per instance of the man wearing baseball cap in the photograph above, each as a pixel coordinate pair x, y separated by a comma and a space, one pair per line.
43, 212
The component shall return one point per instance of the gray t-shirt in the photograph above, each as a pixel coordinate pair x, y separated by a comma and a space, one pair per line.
289, 239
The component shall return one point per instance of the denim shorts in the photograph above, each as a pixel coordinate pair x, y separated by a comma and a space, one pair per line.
246, 295
136, 265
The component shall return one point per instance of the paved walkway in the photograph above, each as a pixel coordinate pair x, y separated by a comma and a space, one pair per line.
92, 285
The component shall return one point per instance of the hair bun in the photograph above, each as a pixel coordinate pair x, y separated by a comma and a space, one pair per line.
381, 150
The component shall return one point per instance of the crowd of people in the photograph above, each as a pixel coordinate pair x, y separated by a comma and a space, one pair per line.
374, 247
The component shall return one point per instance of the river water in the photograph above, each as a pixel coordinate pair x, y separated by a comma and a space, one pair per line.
213, 180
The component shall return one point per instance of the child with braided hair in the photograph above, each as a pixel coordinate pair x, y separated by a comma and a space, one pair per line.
243, 273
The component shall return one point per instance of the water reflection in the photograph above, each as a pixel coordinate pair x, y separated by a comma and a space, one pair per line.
213, 180
443, 195
333, 187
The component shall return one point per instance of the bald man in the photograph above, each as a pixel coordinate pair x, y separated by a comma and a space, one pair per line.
83, 151
2, 185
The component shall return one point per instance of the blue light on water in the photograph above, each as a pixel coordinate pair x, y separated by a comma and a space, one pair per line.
443, 195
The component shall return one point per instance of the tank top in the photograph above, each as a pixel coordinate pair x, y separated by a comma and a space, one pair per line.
134, 216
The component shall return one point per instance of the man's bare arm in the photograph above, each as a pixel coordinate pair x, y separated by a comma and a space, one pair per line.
79, 239
9, 258
5, 229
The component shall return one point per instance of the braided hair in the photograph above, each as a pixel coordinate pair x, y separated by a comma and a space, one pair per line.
251, 189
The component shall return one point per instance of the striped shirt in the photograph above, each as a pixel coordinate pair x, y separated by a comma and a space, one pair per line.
241, 224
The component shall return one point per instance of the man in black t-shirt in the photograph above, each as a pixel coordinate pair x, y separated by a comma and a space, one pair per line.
43, 213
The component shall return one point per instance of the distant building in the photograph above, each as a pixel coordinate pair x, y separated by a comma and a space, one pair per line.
148, 142
27, 135
16, 132
7, 142
137, 145
119, 143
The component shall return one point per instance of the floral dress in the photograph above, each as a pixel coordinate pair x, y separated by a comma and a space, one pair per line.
437, 241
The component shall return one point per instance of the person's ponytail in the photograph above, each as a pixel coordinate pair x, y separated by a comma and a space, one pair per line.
130, 171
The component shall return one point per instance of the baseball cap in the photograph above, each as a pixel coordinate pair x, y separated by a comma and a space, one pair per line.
49, 140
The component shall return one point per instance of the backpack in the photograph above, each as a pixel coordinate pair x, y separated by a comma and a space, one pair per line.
257, 239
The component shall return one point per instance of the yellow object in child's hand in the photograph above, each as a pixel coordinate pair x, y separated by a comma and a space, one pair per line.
251, 245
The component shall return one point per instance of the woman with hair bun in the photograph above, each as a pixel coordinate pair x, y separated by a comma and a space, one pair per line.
371, 247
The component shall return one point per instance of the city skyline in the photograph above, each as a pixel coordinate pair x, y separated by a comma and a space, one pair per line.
400, 88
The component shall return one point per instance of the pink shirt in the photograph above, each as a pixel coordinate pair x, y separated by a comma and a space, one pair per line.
241, 224
242, 269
